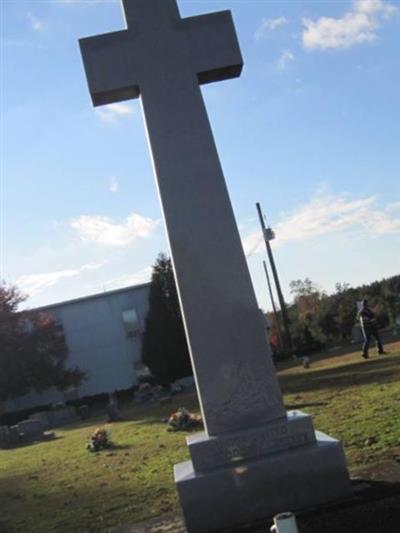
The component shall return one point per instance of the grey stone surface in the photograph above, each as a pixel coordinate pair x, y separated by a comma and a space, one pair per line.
295, 429
157, 42
257, 489
163, 58
30, 429
186, 382
62, 415
43, 416
374, 507
5, 437
14, 434
56, 417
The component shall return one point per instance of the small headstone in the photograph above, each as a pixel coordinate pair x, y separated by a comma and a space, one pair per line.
165, 399
43, 416
62, 415
5, 437
30, 430
14, 435
83, 411
113, 411
71, 394
186, 382
146, 393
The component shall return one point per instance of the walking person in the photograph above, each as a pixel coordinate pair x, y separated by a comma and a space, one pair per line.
369, 328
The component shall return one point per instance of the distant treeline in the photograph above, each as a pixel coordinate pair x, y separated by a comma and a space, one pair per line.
318, 319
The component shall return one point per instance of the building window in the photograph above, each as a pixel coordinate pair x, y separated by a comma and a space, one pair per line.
130, 319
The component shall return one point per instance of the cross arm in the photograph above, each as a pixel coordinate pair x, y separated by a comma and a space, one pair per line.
107, 74
214, 45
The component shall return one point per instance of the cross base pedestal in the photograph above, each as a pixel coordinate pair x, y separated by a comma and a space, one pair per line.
256, 489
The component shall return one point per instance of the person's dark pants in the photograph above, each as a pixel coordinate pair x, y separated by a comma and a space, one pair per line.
368, 333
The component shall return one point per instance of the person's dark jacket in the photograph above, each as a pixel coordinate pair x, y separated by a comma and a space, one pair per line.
367, 319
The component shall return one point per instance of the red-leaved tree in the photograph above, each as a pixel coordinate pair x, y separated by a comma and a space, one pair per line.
33, 352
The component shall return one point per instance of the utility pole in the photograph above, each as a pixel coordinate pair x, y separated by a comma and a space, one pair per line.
268, 235
278, 327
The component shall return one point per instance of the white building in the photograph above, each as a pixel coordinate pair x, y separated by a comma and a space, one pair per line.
104, 338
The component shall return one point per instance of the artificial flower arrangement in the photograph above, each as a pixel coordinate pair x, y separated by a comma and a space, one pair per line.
99, 440
183, 420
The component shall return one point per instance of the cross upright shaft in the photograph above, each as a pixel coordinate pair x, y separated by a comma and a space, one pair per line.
163, 58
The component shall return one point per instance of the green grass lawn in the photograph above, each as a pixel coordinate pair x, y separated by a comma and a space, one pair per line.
58, 486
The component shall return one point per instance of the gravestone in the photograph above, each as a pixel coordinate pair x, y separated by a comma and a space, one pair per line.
43, 416
5, 437
253, 459
59, 416
30, 430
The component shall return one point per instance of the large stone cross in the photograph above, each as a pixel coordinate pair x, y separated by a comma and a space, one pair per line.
253, 461
159, 49
163, 59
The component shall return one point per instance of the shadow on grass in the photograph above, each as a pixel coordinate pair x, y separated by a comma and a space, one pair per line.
296, 406
373, 508
114, 448
368, 372
45, 508
19, 445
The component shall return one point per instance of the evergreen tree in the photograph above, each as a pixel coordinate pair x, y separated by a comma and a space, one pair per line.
165, 350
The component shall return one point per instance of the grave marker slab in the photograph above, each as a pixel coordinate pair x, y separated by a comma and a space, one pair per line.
31, 429
43, 416
62, 415
5, 437
239, 467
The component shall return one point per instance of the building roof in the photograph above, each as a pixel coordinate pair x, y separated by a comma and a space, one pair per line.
90, 297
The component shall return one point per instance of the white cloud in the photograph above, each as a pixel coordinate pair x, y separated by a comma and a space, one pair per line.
268, 25
137, 278
36, 24
371, 7
395, 206
355, 27
107, 232
328, 213
34, 283
382, 222
113, 185
113, 112
253, 243
286, 57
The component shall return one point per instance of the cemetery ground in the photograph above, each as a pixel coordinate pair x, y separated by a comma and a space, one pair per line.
58, 485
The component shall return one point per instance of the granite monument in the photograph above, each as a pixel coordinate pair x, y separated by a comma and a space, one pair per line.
253, 459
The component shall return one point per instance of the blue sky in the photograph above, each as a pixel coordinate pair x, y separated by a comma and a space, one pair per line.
310, 130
